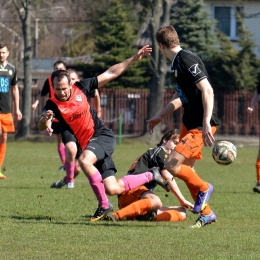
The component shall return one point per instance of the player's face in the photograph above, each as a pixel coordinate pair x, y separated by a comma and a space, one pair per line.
62, 88
4, 53
59, 66
170, 145
73, 77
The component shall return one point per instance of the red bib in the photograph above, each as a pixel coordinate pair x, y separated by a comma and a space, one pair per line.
76, 113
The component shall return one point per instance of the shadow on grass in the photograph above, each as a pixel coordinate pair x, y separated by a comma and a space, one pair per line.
106, 223
24, 188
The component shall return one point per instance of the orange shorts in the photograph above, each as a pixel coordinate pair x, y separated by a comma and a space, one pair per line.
131, 196
191, 142
7, 123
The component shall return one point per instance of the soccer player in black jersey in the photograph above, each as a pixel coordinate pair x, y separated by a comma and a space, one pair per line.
250, 109
195, 94
142, 203
8, 83
47, 90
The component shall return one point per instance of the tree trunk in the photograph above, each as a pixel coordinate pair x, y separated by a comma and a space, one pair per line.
24, 126
160, 9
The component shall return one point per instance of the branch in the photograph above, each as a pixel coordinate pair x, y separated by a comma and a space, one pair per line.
12, 31
17, 9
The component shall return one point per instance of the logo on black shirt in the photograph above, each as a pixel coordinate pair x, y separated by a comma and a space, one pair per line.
194, 69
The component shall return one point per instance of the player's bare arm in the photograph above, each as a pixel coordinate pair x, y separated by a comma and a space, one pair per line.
15, 94
175, 190
255, 99
173, 105
96, 103
208, 101
117, 69
35, 104
45, 122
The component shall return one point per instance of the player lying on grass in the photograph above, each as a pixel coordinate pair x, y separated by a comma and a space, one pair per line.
142, 203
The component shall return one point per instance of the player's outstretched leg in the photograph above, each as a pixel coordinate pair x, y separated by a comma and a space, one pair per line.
202, 199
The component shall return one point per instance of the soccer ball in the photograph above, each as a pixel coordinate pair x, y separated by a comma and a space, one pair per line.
224, 152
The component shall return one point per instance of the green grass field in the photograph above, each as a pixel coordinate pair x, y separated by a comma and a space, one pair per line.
41, 223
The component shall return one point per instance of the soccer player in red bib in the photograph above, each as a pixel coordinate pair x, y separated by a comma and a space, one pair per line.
195, 94
8, 83
83, 131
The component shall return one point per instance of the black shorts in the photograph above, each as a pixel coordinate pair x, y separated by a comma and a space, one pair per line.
102, 144
56, 127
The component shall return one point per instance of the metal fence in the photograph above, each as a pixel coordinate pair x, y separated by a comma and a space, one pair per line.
231, 108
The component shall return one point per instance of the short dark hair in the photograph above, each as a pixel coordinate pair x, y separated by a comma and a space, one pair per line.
2, 45
59, 62
167, 36
171, 134
60, 74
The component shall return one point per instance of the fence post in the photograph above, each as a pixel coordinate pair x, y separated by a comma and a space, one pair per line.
120, 129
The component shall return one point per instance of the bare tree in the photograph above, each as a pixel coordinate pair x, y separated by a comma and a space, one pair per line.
158, 14
23, 9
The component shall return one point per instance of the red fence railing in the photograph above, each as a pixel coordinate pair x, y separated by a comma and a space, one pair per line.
231, 108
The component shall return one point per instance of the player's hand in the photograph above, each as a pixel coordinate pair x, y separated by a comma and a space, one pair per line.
187, 204
250, 109
145, 51
47, 116
34, 106
19, 115
151, 123
207, 135
49, 131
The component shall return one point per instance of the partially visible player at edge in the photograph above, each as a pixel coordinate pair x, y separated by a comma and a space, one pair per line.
250, 109
8, 82
195, 94
82, 129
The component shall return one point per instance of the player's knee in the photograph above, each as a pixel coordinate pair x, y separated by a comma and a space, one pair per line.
156, 202
112, 190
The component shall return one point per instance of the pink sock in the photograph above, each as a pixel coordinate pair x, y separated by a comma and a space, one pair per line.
133, 181
98, 188
70, 167
62, 152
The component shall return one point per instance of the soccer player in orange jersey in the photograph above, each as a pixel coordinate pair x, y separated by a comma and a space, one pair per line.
8, 83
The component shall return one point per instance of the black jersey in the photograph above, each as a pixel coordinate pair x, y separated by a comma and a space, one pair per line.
187, 69
46, 89
8, 78
88, 88
154, 157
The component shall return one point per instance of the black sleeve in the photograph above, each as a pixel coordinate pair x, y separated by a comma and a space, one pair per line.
159, 161
53, 107
88, 86
14, 79
194, 66
45, 89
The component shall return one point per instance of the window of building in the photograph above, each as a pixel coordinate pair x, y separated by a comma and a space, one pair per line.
226, 17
